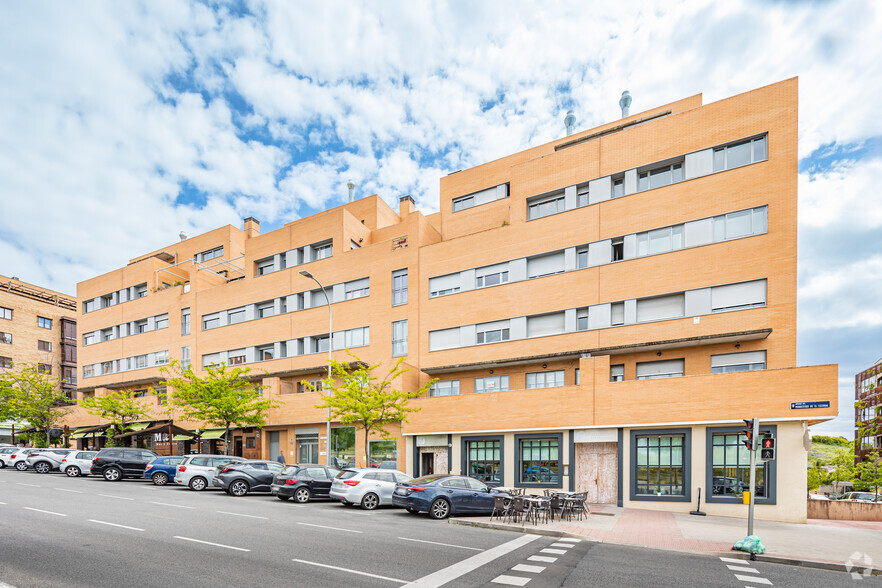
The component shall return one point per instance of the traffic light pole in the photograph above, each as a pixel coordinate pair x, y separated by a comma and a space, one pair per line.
752, 492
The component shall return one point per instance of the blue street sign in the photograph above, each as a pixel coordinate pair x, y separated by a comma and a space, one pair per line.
817, 404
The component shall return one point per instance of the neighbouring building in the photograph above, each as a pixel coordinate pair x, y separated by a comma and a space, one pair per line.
37, 326
600, 313
868, 411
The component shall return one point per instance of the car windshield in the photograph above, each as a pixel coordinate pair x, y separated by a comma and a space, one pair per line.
289, 471
346, 474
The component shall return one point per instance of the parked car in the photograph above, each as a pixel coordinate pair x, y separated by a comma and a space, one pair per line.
197, 471
17, 459
303, 482
117, 463
388, 465
238, 479
46, 460
162, 469
817, 497
444, 494
367, 487
5, 452
859, 497
78, 463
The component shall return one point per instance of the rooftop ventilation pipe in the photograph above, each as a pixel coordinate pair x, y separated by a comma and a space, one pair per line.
351, 185
570, 121
625, 103
182, 236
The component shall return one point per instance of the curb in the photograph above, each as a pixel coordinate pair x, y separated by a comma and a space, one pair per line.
775, 559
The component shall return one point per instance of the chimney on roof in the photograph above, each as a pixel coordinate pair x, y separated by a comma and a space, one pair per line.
405, 206
625, 103
570, 121
252, 227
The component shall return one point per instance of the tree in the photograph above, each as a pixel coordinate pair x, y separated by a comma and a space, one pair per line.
870, 472
119, 407
224, 397
33, 396
357, 397
843, 468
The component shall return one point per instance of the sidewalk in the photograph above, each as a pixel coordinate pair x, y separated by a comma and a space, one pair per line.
828, 543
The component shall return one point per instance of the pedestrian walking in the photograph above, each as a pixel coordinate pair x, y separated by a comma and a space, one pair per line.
281, 458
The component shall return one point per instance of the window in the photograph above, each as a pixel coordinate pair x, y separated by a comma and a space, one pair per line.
304, 386
741, 223
106, 367
399, 338
107, 334
320, 344
250, 443
41, 345
545, 265
185, 356
379, 451
444, 285
582, 257
728, 467
265, 353
141, 291
6, 362
236, 316
140, 394
661, 307
44, 368
582, 196
539, 460
738, 154
69, 330
446, 388
738, 362
666, 368
664, 175
357, 337
185, 321
483, 459
210, 254
491, 275
738, 296
618, 187
6, 338
660, 240
160, 357
140, 361
492, 332
546, 324
491, 384
69, 376
210, 359
552, 379
236, 357
357, 288
69, 353
617, 313
618, 249
660, 465
581, 319
545, 206
463, 202
617, 373
264, 266
399, 287
322, 251
578, 377
210, 322
44, 323
161, 322
88, 306
88, 371
141, 326
5, 313
265, 309
444, 339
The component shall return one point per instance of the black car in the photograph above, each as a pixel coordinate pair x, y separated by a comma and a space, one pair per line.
116, 463
303, 482
238, 479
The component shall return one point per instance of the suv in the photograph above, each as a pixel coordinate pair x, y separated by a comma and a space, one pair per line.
303, 482
46, 460
116, 463
198, 471
18, 458
163, 469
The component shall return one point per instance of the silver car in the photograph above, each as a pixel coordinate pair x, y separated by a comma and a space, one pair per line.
5, 452
78, 463
17, 459
368, 487
46, 460
198, 471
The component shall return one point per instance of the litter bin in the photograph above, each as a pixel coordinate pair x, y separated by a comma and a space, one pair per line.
745, 496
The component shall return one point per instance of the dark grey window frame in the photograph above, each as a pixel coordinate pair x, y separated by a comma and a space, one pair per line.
464, 449
771, 467
518, 460
687, 465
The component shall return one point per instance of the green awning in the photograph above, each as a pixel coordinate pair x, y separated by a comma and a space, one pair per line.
213, 433
138, 427
182, 438
79, 432
79, 435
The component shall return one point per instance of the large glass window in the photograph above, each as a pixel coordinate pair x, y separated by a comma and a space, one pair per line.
740, 154
399, 338
660, 176
380, 451
551, 379
545, 207
342, 446
731, 467
660, 465
484, 460
491, 384
447, 388
185, 321
399, 287
539, 460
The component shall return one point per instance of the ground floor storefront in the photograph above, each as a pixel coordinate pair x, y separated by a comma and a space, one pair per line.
308, 444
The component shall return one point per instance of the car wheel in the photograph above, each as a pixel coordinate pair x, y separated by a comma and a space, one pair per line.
302, 495
42, 467
198, 483
112, 474
370, 501
439, 509
411, 510
239, 488
160, 479
72, 471
21, 466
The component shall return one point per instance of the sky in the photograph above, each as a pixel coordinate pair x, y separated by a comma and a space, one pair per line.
124, 123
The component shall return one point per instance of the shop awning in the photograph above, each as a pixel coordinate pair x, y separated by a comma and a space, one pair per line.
158, 428
213, 433
183, 437
134, 427
79, 432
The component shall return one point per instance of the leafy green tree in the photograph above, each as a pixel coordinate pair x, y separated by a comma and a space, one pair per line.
223, 397
119, 407
816, 477
843, 467
33, 396
869, 472
358, 397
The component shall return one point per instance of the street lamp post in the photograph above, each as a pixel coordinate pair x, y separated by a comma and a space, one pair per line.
309, 275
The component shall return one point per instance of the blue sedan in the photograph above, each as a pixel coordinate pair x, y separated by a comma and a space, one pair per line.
162, 469
444, 494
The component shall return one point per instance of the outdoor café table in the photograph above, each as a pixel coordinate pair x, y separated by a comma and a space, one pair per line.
534, 503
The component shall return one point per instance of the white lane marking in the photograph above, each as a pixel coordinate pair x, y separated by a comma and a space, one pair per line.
58, 514
115, 525
321, 565
735, 561
526, 568
453, 572
743, 569
554, 551
569, 540
31, 485
332, 528
167, 504
753, 579
542, 558
119, 497
66, 490
437, 543
210, 543
510, 580
236, 514
565, 545
2, 503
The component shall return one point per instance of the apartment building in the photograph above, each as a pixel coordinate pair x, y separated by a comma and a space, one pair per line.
38, 327
600, 312
868, 411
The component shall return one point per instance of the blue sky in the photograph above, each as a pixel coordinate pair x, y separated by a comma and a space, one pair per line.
124, 123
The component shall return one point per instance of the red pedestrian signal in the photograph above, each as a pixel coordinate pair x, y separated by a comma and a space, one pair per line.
767, 449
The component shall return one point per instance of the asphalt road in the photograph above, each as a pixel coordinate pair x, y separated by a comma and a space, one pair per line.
59, 531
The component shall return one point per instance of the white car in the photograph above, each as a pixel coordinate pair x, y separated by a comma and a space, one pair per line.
47, 459
78, 463
18, 458
198, 471
5, 452
368, 487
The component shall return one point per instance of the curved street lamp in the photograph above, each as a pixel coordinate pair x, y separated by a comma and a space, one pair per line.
309, 275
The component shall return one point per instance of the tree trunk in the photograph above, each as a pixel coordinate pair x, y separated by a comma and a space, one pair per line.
48, 439
367, 451
227, 440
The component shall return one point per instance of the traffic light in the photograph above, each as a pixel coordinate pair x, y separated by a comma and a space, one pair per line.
750, 433
767, 449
